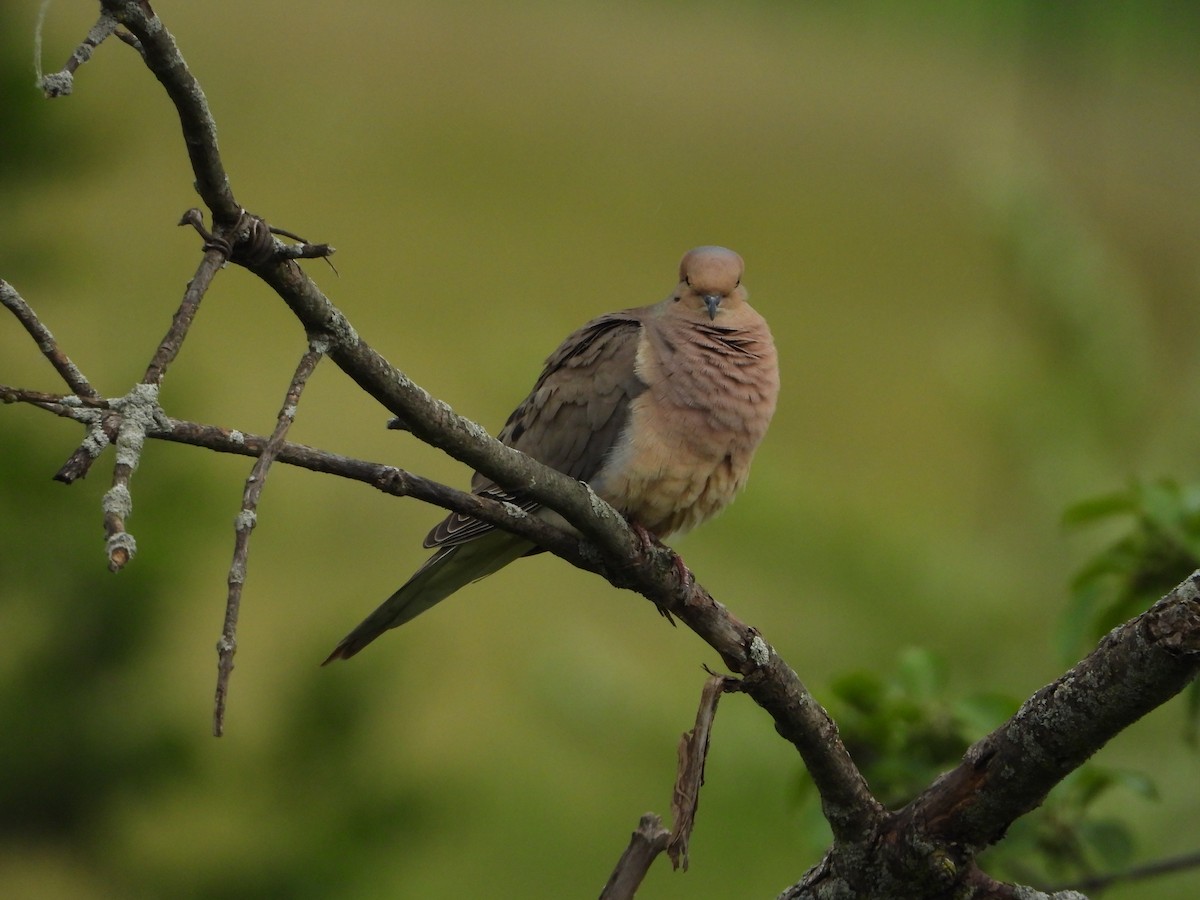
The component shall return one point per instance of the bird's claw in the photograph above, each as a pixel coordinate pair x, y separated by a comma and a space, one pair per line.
649, 542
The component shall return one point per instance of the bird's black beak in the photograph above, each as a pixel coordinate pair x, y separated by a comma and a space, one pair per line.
712, 301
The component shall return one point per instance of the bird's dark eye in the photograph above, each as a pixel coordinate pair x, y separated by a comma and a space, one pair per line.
738, 283
676, 298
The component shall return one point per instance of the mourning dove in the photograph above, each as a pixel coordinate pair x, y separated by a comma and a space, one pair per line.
658, 408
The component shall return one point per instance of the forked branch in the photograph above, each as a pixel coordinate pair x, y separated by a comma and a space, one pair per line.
924, 850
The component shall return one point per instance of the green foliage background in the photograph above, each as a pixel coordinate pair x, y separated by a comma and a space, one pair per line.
973, 228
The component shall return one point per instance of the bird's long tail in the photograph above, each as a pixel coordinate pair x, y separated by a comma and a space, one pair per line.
449, 569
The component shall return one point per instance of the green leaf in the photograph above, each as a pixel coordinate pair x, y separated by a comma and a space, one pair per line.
1161, 505
982, 714
1076, 623
1168, 508
1191, 722
1088, 783
1110, 842
1138, 782
1087, 512
861, 690
922, 673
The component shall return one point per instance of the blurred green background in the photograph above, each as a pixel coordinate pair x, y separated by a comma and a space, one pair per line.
973, 228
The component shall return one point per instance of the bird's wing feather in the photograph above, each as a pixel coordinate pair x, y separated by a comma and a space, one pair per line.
571, 420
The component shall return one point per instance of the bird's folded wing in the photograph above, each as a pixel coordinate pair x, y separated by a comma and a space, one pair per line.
573, 418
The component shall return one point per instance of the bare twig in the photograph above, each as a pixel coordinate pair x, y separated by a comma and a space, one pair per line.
79, 463
69, 406
46, 343
1138, 873
622, 559
649, 840
59, 84
101, 433
693, 751
244, 525
139, 414
386, 478
169, 346
394, 481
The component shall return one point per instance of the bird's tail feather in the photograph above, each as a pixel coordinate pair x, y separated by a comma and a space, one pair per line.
449, 569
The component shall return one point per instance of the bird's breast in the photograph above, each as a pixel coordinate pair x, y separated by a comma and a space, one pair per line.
688, 443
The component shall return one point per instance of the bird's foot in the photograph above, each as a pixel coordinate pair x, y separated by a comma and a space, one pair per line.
649, 542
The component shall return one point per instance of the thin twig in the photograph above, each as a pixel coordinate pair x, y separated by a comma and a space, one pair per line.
139, 414
101, 431
649, 840
244, 525
386, 478
393, 481
693, 752
69, 406
59, 84
654, 573
1136, 873
79, 462
169, 346
46, 343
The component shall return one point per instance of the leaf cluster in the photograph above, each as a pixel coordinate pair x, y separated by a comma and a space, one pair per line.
903, 728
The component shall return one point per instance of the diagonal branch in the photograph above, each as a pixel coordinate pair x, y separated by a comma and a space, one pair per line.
647, 841
46, 343
169, 346
386, 478
244, 525
199, 129
1143, 872
1135, 669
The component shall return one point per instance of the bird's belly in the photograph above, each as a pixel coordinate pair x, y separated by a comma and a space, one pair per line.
671, 486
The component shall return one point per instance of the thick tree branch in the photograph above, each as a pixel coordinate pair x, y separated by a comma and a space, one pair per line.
163, 58
1135, 669
927, 849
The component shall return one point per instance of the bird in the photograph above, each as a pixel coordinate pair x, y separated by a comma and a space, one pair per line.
658, 408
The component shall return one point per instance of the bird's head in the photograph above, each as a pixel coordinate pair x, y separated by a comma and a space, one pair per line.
710, 281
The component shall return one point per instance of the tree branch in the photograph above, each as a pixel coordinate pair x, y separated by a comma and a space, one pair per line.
1140, 873
622, 556
645, 844
244, 525
199, 129
1135, 669
41, 335
928, 848
925, 850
